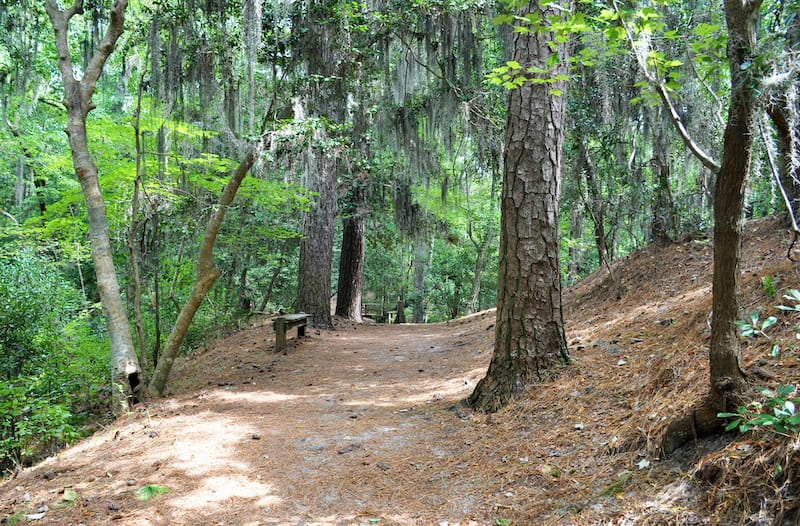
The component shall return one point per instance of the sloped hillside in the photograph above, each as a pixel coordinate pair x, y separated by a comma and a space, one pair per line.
363, 425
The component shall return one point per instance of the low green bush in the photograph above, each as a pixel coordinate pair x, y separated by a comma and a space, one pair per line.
54, 367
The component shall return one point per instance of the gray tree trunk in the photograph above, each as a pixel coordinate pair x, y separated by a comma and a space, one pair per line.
125, 376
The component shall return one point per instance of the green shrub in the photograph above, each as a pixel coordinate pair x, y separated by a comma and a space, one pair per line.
35, 303
31, 423
778, 412
53, 366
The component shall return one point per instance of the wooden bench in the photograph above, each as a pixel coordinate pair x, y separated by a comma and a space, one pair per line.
283, 323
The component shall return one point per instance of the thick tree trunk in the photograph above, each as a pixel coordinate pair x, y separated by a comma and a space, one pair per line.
326, 103
420, 260
125, 371
207, 274
316, 245
529, 332
351, 268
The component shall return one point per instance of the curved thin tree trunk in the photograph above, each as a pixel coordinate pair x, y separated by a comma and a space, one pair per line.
727, 376
125, 376
207, 274
728, 382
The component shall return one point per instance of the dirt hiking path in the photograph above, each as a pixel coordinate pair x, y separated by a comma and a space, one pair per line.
335, 431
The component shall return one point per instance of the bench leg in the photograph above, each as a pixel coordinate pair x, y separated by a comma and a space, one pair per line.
280, 335
301, 330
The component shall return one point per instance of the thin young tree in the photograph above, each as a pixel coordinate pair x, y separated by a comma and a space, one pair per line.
529, 332
727, 377
78, 94
207, 274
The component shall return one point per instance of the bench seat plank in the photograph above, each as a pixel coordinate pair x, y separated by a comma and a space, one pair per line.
285, 322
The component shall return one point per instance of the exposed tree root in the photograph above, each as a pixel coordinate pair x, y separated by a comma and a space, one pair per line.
701, 422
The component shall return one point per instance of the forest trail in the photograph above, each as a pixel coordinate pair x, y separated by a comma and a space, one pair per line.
327, 433
362, 425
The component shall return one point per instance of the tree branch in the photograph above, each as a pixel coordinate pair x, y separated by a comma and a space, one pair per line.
661, 90
60, 20
103, 51
702, 81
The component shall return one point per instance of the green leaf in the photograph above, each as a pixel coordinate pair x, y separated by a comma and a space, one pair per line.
732, 425
769, 322
648, 13
68, 499
148, 491
704, 30
615, 33
500, 20
793, 295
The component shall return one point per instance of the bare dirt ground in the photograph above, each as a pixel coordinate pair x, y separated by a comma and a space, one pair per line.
363, 425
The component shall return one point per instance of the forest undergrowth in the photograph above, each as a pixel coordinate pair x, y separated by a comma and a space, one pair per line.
364, 424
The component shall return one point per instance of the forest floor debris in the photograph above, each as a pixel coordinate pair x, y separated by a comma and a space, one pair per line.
364, 425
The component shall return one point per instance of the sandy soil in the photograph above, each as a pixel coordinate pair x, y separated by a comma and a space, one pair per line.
363, 425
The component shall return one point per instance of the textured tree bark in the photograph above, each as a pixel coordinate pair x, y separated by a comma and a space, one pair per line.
316, 245
351, 268
207, 274
529, 332
420, 259
326, 103
728, 387
728, 381
125, 375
